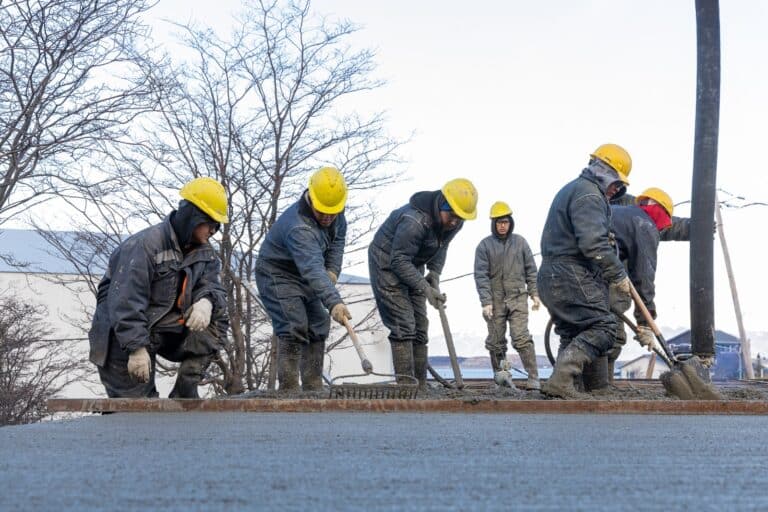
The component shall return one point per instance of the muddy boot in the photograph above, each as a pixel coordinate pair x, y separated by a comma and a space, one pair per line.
595, 375
420, 360
188, 377
494, 361
288, 359
569, 365
402, 360
312, 356
528, 358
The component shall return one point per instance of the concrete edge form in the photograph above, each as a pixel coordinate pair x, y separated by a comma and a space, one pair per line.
741, 407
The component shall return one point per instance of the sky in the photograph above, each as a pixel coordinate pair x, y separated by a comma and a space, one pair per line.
515, 95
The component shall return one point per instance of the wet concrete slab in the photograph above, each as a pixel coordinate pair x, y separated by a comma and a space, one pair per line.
392, 461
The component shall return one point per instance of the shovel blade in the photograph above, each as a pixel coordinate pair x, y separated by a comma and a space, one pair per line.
690, 380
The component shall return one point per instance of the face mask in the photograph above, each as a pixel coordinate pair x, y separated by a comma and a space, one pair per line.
658, 215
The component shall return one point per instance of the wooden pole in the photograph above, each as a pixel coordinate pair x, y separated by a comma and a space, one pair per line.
746, 350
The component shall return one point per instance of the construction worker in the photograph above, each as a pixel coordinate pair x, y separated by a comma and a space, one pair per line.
637, 230
678, 231
414, 236
161, 294
296, 273
578, 261
505, 276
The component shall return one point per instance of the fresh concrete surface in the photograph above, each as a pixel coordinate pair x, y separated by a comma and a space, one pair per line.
396, 461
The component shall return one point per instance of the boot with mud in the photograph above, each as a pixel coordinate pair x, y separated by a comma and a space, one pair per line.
288, 360
312, 356
496, 357
402, 360
188, 377
528, 358
569, 365
420, 360
595, 375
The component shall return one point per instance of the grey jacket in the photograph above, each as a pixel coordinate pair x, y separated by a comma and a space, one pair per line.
504, 269
142, 285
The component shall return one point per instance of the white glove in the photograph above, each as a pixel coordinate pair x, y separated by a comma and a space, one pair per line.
339, 312
645, 337
536, 303
622, 286
139, 365
199, 315
488, 312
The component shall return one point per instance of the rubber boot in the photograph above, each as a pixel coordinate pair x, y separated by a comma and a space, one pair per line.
402, 359
494, 361
528, 357
312, 355
188, 377
420, 361
569, 365
288, 360
595, 374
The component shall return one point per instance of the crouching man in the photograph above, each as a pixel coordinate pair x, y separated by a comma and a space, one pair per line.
162, 295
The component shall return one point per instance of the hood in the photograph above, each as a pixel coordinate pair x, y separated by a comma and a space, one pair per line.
600, 174
429, 202
511, 226
185, 220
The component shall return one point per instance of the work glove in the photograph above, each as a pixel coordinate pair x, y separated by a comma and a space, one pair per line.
199, 315
536, 303
621, 287
645, 337
433, 278
434, 297
339, 312
332, 276
139, 365
488, 312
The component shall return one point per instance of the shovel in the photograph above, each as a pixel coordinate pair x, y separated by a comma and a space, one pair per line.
687, 379
459, 381
381, 390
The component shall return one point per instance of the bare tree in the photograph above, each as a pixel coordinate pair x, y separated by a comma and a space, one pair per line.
33, 367
70, 78
259, 112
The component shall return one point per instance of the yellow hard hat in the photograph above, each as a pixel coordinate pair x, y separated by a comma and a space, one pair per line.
500, 209
208, 195
659, 196
461, 194
617, 157
328, 190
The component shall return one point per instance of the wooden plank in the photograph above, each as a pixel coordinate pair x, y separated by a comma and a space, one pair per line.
741, 407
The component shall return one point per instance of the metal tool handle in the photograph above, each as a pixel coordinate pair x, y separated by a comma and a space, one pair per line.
648, 318
365, 363
451, 349
659, 352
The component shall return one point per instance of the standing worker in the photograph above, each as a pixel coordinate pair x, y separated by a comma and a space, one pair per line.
638, 231
577, 262
296, 272
414, 236
162, 294
505, 276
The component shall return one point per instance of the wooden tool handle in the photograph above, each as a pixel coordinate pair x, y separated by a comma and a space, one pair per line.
366, 364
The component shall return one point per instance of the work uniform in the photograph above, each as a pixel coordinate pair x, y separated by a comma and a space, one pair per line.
679, 231
149, 286
505, 276
578, 262
293, 282
411, 239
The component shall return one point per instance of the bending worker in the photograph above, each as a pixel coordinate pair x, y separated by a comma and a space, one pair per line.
414, 236
162, 295
505, 276
296, 272
578, 261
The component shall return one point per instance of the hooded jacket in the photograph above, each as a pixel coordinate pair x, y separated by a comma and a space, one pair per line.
679, 231
297, 247
412, 237
577, 227
504, 268
143, 284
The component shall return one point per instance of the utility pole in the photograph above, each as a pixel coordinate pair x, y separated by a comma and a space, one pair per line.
746, 350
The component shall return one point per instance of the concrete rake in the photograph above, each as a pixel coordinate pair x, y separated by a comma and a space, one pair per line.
380, 390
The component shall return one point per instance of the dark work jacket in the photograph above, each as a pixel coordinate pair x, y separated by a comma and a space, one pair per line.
141, 286
679, 231
638, 240
577, 228
504, 269
412, 237
297, 247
